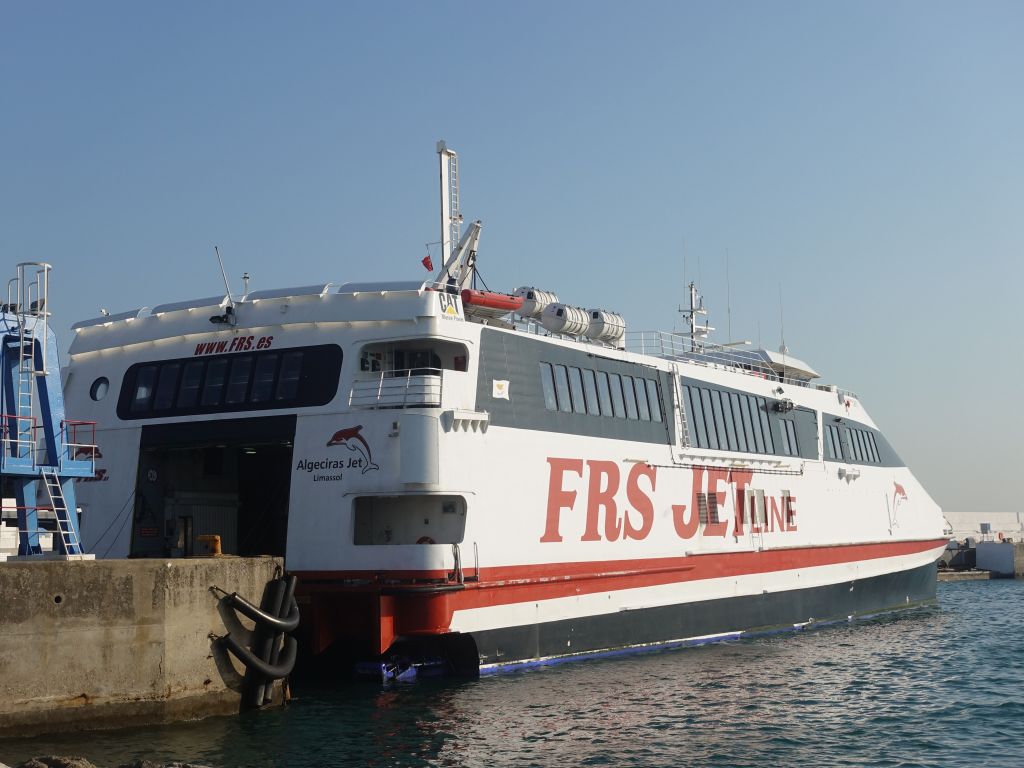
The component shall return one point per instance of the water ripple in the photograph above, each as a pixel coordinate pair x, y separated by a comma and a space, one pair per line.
907, 690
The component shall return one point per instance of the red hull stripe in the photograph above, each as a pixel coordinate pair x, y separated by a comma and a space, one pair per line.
528, 583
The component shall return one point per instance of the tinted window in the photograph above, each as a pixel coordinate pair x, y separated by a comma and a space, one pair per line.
144, 388
263, 378
709, 419
238, 380
696, 420
604, 394
590, 390
288, 381
562, 389
654, 400
630, 394
618, 408
166, 386
547, 384
766, 429
230, 382
191, 378
737, 420
213, 387
576, 389
641, 400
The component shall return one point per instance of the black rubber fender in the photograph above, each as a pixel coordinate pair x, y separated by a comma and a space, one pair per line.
285, 625
253, 663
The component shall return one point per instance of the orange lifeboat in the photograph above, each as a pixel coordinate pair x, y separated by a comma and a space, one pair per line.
489, 303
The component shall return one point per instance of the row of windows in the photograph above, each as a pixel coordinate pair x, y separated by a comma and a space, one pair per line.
232, 382
861, 444
734, 421
599, 393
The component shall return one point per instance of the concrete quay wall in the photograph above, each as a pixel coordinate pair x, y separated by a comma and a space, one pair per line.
110, 643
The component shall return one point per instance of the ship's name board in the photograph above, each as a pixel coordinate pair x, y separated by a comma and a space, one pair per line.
582, 494
237, 344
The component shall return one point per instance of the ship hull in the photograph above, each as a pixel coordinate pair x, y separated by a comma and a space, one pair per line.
509, 620
702, 621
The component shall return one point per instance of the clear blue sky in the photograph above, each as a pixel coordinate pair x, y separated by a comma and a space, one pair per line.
868, 157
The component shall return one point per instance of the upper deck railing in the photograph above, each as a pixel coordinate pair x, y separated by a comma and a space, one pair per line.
407, 388
680, 347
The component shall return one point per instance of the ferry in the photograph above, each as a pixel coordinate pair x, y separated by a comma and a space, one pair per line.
493, 479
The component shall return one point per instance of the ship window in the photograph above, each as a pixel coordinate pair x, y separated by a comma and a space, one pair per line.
769, 440
722, 401
229, 382
709, 419
263, 378
191, 378
755, 423
143, 388
238, 380
562, 389
654, 399
547, 383
630, 393
288, 381
696, 420
851, 443
874, 448
576, 389
865, 445
748, 428
737, 418
787, 430
166, 386
604, 395
590, 390
702, 508
216, 371
618, 408
641, 400
830, 444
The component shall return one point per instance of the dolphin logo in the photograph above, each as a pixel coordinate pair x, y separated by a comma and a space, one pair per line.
899, 494
351, 439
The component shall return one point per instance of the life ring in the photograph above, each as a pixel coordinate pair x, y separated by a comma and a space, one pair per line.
1000, 534
425, 540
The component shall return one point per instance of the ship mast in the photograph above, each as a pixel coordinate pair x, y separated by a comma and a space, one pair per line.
458, 253
698, 333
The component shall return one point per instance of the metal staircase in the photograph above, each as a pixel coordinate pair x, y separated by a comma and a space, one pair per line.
69, 542
40, 455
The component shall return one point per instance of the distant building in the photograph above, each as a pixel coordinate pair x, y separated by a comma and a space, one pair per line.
987, 526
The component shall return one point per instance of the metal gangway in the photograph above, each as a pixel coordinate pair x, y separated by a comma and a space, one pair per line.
41, 452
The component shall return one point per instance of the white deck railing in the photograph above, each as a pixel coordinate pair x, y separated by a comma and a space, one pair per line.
410, 388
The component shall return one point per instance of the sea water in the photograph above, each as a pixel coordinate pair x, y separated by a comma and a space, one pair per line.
935, 686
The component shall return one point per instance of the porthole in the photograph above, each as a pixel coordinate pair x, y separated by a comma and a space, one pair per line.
99, 388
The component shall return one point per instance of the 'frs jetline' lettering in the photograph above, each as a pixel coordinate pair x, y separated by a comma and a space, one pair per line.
603, 521
237, 344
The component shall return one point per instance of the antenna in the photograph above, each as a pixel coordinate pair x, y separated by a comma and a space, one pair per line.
245, 282
782, 325
728, 299
227, 286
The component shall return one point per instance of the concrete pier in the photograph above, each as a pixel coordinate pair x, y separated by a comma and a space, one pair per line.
109, 643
